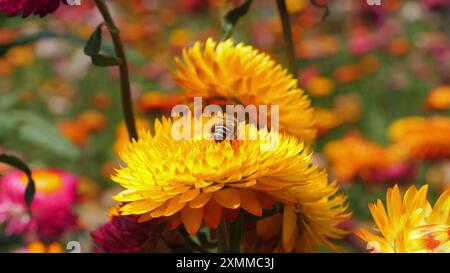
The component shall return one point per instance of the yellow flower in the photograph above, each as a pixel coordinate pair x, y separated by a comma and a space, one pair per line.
311, 222
201, 180
422, 138
225, 73
411, 224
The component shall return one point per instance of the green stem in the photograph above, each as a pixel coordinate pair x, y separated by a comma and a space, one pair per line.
287, 33
223, 237
229, 236
127, 104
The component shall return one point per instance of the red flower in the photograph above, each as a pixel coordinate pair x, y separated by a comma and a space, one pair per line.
28, 7
123, 235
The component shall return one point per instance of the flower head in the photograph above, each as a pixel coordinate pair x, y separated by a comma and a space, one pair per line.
202, 180
354, 156
28, 7
439, 98
410, 224
41, 247
51, 207
123, 235
223, 72
422, 138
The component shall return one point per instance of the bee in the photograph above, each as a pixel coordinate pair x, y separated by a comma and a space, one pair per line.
225, 129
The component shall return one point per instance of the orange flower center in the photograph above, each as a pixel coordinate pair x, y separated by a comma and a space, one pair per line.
46, 181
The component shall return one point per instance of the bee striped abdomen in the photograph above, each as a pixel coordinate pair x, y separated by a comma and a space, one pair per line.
225, 130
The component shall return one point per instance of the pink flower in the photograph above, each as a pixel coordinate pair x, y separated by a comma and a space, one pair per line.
51, 208
194, 6
28, 7
398, 173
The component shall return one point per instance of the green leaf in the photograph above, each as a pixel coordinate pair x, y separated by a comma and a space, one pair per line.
94, 43
233, 16
104, 60
33, 129
19, 164
327, 9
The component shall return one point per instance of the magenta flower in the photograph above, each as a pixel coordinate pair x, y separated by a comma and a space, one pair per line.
28, 7
51, 208
123, 235
398, 173
436, 4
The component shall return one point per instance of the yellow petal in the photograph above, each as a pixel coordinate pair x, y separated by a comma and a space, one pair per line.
290, 229
139, 207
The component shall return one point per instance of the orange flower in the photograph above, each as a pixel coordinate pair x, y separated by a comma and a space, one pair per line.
92, 120
320, 86
422, 138
439, 98
347, 73
40, 247
20, 56
157, 102
399, 46
353, 156
369, 64
74, 131
326, 120
101, 100
347, 107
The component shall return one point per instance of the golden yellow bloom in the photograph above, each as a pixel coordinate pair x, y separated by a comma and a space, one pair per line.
439, 98
313, 221
422, 138
223, 72
201, 180
411, 224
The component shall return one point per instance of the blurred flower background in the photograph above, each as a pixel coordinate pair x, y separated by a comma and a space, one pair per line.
378, 78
